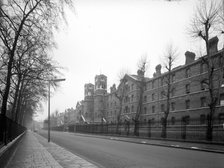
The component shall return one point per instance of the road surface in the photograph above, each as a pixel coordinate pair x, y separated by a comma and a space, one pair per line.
117, 154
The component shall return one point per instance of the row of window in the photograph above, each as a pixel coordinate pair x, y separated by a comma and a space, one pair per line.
185, 120
188, 74
162, 106
128, 99
203, 103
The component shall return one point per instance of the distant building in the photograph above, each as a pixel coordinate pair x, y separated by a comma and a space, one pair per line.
80, 111
70, 116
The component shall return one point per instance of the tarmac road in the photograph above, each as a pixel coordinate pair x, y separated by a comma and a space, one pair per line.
117, 154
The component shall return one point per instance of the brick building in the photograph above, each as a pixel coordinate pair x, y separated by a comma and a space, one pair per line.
189, 96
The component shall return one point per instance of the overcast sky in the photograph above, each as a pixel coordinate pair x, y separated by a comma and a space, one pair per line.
106, 36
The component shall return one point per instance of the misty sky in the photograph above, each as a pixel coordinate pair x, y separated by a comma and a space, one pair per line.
107, 36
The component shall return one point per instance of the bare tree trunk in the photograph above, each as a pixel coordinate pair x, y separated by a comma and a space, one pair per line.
139, 110
5, 97
119, 117
19, 104
16, 98
164, 127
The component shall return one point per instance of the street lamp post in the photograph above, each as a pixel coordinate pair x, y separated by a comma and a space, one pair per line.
49, 95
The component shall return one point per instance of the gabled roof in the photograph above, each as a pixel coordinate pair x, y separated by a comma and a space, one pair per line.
137, 77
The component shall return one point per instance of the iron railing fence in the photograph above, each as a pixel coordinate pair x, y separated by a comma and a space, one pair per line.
9, 130
194, 130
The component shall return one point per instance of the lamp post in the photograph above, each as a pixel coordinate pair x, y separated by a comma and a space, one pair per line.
49, 95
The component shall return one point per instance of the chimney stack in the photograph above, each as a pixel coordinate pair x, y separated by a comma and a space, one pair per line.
140, 73
190, 56
113, 88
213, 42
158, 71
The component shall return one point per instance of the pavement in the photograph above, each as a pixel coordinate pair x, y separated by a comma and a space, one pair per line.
33, 151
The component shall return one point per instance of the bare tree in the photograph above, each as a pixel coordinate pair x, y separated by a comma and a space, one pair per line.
170, 58
17, 18
120, 95
203, 26
141, 84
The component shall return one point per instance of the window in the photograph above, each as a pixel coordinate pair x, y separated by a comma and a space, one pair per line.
153, 109
187, 87
203, 102
222, 99
187, 73
173, 92
161, 81
162, 94
173, 78
153, 97
186, 120
222, 84
173, 120
162, 108
153, 84
145, 110
187, 104
127, 110
132, 98
132, 108
127, 99
132, 86
152, 121
202, 68
173, 104
145, 98
221, 118
203, 85
202, 119
162, 121
128, 88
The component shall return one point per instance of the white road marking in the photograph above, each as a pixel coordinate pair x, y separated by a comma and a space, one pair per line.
193, 147
175, 146
143, 142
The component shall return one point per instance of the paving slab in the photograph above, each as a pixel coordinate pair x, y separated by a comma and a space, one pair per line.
64, 157
31, 154
33, 151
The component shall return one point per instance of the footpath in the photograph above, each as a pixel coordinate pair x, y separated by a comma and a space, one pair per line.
33, 151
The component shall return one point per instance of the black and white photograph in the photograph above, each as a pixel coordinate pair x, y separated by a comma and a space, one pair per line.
111, 83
